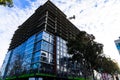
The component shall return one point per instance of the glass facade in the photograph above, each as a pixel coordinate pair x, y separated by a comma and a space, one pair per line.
35, 53
3, 69
22, 55
43, 52
62, 56
65, 66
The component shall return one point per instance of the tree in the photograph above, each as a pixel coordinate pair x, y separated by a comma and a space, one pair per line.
89, 54
107, 65
8, 3
85, 50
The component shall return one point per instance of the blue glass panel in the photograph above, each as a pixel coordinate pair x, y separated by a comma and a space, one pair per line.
30, 42
44, 45
20, 48
37, 46
31, 39
29, 46
27, 67
28, 51
26, 61
51, 40
37, 54
36, 65
39, 36
46, 36
28, 56
36, 59
50, 48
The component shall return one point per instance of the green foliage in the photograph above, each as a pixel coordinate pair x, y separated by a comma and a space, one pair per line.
75, 78
107, 65
84, 48
26, 75
8, 3
10, 78
48, 75
85, 51
89, 54
43, 75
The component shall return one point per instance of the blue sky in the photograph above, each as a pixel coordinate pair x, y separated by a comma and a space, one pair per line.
23, 3
98, 17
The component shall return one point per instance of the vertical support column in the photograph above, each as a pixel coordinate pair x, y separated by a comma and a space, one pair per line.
46, 19
55, 47
55, 25
55, 58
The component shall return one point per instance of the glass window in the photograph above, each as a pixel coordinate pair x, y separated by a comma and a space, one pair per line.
51, 39
32, 38
61, 49
28, 56
58, 61
46, 36
29, 46
39, 36
64, 50
36, 59
37, 46
57, 38
65, 69
64, 54
58, 44
60, 40
58, 57
51, 60
50, 55
26, 61
58, 52
58, 47
45, 46
58, 67
50, 48
64, 41
36, 65
30, 42
28, 51
61, 53
37, 54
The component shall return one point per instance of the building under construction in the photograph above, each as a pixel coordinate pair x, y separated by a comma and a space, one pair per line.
38, 48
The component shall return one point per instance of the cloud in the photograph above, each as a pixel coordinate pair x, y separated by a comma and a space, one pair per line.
100, 18
103, 22
10, 19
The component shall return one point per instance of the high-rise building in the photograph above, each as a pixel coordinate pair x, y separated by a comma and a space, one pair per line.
117, 43
38, 48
